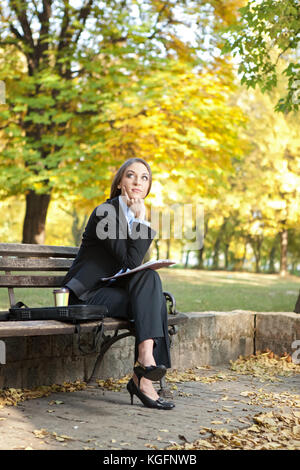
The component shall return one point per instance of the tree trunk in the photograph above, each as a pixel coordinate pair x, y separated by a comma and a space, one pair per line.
257, 259
244, 254
215, 264
35, 217
187, 258
200, 252
226, 255
297, 306
77, 227
217, 245
168, 249
200, 258
256, 243
272, 259
283, 252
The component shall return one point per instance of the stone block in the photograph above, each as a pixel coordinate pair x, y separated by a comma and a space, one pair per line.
15, 349
11, 375
62, 345
39, 346
213, 338
277, 331
119, 359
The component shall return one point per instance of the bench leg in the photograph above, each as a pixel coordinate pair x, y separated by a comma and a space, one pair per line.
106, 343
164, 391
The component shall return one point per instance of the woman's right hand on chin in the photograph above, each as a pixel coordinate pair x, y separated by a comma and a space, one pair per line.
136, 205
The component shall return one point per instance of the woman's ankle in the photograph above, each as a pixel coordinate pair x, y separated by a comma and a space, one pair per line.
146, 387
146, 360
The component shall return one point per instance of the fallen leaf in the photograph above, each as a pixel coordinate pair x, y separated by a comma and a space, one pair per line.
296, 430
151, 446
40, 433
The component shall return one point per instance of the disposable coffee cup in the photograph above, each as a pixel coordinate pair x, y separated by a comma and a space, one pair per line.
61, 297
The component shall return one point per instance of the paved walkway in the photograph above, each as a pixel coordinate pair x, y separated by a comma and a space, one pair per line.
100, 419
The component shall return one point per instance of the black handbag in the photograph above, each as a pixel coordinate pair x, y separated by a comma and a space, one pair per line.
75, 314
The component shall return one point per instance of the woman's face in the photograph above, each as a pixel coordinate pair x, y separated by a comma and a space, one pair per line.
135, 181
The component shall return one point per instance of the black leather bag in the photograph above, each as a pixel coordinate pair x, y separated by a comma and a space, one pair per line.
75, 314
71, 313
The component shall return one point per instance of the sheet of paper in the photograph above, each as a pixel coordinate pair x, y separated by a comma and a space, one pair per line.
161, 263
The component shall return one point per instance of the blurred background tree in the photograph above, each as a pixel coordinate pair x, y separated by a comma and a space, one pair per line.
267, 32
90, 84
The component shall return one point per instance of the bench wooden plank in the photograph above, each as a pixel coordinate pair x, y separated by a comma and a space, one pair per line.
35, 264
54, 327
20, 249
30, 281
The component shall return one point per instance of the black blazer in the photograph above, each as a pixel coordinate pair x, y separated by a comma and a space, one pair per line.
107, 247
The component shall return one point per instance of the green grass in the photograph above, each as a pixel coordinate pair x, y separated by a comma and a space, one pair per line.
199, 290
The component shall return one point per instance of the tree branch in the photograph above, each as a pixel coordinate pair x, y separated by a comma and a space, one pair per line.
20, 9
16, 33
64, 27
83, 15
157, 21
44, 18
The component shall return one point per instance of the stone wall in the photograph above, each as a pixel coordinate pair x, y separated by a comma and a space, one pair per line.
208, 338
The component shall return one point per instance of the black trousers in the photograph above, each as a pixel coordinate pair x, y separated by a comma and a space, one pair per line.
138, 297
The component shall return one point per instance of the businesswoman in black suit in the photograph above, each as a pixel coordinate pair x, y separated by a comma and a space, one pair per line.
115, 239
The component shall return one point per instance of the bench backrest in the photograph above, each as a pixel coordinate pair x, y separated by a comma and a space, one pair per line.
28, 259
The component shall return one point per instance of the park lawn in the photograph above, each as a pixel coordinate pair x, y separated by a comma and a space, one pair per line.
200, 290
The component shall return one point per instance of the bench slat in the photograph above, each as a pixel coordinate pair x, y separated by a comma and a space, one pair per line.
19, 249
54, 327
36, 264
30, 281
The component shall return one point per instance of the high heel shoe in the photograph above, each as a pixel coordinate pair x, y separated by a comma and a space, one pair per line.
149, 372
148, 402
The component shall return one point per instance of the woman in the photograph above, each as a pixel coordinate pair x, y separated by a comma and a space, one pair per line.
116, 239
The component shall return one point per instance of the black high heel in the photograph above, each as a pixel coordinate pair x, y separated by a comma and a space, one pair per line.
148, 402
149, 372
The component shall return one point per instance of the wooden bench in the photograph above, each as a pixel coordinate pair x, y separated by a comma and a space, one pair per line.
40, 266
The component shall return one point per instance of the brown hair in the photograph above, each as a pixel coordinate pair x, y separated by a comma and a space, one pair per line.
114, 190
